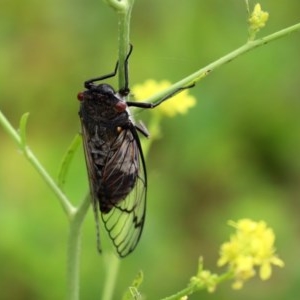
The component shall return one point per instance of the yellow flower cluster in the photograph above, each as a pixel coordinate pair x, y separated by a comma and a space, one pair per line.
179, 104
252, 246
258, 19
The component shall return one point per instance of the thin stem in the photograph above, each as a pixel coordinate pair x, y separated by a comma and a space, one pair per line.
224, 277
64, 201
196, 76
123, 9
123, 48
73, 261
73, 249
10, 130
185, 292
124, 17
198, 286
112, 269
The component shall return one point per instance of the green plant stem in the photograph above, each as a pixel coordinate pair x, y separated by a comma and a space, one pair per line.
124, 39
10, 130
15, 135
196, 76
73, 249
123, 9
185, 292
64, 201
193, 288
112, 263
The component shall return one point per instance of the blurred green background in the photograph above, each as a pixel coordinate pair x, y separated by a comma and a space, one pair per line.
235, 155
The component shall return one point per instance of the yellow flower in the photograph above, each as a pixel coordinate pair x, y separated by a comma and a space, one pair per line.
251, 247
178, 104
258, 19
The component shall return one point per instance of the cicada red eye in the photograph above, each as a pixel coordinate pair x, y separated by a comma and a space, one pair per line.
80, 96
120, 106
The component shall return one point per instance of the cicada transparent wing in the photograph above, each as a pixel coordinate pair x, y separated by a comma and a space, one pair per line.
118, 185
125, 219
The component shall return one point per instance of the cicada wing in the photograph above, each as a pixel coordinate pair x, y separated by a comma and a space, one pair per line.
125, 220
92, 182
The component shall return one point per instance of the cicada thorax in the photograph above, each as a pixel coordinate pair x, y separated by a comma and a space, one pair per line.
102, 104
109, 145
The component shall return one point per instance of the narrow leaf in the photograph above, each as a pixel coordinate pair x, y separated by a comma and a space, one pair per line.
65, 164
22, 128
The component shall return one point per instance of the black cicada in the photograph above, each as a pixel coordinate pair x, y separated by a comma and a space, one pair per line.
115, 161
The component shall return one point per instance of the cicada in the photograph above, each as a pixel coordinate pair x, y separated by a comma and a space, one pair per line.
115, 161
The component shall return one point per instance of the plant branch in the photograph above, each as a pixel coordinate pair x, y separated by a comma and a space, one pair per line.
123, 9
19, 138
200, 282
112, 263
198, 75
73, 249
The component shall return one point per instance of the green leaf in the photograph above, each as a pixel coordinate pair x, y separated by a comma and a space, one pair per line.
133, 293
22, 128
65, 164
